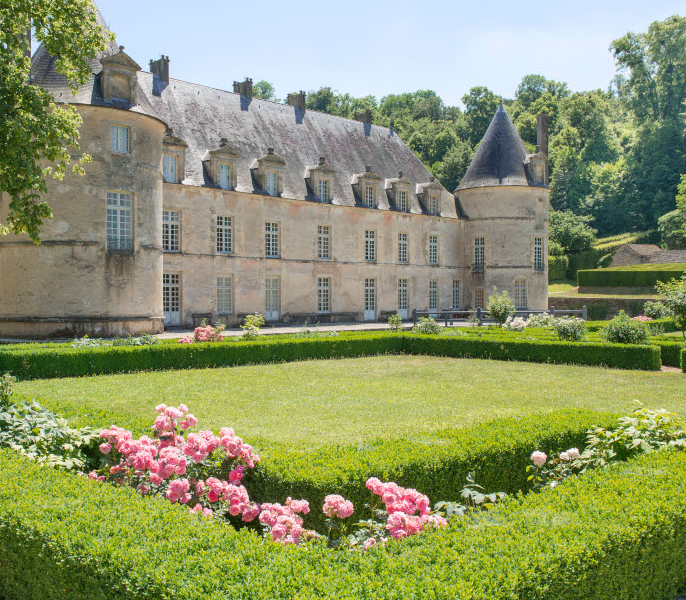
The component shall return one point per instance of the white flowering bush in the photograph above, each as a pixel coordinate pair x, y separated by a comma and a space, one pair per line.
427, 325
500, 306
542, 320
570, 329
515, 324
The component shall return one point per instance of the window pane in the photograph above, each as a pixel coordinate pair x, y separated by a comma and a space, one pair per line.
225, 294
224, 234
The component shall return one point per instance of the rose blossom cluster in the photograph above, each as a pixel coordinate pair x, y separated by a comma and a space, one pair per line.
337, 506
539, 458
401, 506
641, 318
204, 334
571, 454
283, 523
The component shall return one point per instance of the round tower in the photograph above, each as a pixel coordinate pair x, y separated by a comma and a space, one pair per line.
504, 196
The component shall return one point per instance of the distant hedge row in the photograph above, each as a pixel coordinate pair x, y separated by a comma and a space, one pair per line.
42, 363
557, 267
612, 533
630, 277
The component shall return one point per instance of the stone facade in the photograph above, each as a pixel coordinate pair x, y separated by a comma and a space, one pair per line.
238, 205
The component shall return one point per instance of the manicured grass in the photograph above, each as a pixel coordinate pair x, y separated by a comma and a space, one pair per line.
567, 289
351, 400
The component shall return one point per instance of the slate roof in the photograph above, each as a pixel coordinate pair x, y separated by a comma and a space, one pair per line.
499, 160
643, 249
201, 116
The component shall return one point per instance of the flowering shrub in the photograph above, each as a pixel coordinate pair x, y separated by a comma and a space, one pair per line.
427, 325
642, 318
205, 333
542, 320
656, 310
251, 327
623, 330
86, 342
516, 324
571, 329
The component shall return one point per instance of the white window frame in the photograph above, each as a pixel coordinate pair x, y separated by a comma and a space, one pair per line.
171, 294
370, 245
370, 294
271, 183
171, 231
403, 248
479, 254
433, 204
119, 221
402, 200
403, 294
271, 239
538, 254
120, 139
324, 242
224, 175
170, 168
520, 296
324, 190
433, 294
323, 295
433, 249
224, 234
369, 196
456, 295
224, 294
479, 298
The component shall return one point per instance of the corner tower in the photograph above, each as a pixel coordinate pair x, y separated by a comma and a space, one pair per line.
504, 196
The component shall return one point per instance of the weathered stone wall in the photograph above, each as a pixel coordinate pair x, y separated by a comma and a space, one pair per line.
669, 256
626, 257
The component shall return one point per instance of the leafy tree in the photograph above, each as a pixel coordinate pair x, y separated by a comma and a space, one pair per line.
264, 90
454, 165
533, 87
38, 134
571, 231
672, 228
675, 299
480, 106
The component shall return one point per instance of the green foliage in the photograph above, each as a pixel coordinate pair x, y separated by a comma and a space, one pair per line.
38, 135
396, 322
674, 292
570, 329
672, 228
571, 231
647, 275
251, 326
426, 325
605, 261
557, 267
500, 306
264, 90
656, 310
622, 330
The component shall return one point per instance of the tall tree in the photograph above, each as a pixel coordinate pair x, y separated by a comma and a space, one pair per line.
265, 91
36, 133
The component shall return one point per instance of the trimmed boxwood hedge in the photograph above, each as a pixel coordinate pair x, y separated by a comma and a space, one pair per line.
683, 360
618, 532
637, 276
45, 363
670, 351
437, 464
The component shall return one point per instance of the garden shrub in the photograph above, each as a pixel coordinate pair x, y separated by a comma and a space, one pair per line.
395, 322
623, 330
647, 275
605, 261
598, 310
500, 306
557, 267
427, 325
670, 350
675, 299
570, 329
252, 325
611, 533
656, 310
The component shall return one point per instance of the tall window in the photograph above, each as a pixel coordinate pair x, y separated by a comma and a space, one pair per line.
479, 254
323, 295
170, 231
271, 239
324, 192
370, 245
456, 294
433, 294
538, 254
520, 293
225, 294
369, 297
433, 249
402, 248
272, 301
170, 168
433, 205
369, 196
224, 234
402, 294
271, 183
402, 200
224, 176
119, 221
171, 298
323, 241
478, 298
119, 138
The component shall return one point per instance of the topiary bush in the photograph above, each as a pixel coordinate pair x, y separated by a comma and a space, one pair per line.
623, 330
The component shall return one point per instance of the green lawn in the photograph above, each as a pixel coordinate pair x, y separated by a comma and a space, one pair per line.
347, 401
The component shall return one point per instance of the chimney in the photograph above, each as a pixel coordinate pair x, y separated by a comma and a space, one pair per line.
297, 100
244, 88
368, 169
364, 116
160, 67
322, 160
542, 133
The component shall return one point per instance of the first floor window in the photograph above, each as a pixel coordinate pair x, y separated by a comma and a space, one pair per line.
271, 183
170, 168
225, 294
271, 239
119, 138
538, 254
402, 248
478, 298
402, 200
402, 294
456, 294
479, 254
370, 245
170, 231
224, 176
433, 294
520, 293
224, 234
369, 196
323, 295
433, 205
433, 249
324, 193
119, 236
323, 242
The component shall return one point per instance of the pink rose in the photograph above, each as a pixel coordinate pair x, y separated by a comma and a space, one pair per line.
105, 448
539, 458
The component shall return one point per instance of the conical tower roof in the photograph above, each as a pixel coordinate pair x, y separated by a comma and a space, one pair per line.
500, 157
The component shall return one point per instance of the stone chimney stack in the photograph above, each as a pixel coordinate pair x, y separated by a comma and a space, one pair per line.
542, 134
244, 88
297, 100
363, 116
160, 67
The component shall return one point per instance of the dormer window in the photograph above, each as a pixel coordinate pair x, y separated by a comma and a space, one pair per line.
118, 77
323, 191
171, 169
401, 200
220, 165
400, 188
430, 196
536, 166
173, 161
433, 204
369, 196
270, 178
366, 185
267, 173
320, 181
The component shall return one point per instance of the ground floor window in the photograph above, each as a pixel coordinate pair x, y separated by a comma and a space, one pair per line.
478, 299
171, 298
520, 293
402, 295
272, 300
369, 299
323, 295
225, 294
433, 294
456, 294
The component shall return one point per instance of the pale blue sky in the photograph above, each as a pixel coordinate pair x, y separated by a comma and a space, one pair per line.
382, 47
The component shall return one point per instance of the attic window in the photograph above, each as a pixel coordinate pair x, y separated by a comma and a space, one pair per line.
118, 77
174, 155
366, 185
320, 183
268, 173
224, 176
323, 190
221, 165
